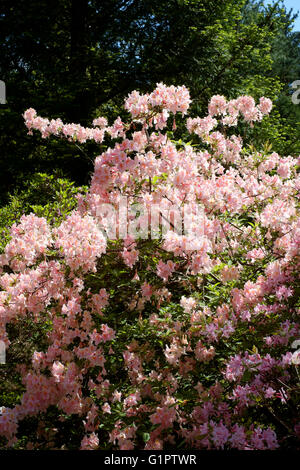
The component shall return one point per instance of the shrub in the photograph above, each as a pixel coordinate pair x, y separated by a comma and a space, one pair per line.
171, 340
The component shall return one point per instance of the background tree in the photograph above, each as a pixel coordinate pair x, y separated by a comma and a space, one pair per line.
74, 59
283, 128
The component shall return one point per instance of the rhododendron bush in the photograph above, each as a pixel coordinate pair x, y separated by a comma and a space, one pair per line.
162, 338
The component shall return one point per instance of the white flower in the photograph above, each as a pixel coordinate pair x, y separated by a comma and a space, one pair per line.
295, 344
296, 357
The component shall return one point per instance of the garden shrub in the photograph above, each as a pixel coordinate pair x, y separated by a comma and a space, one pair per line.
182, 339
